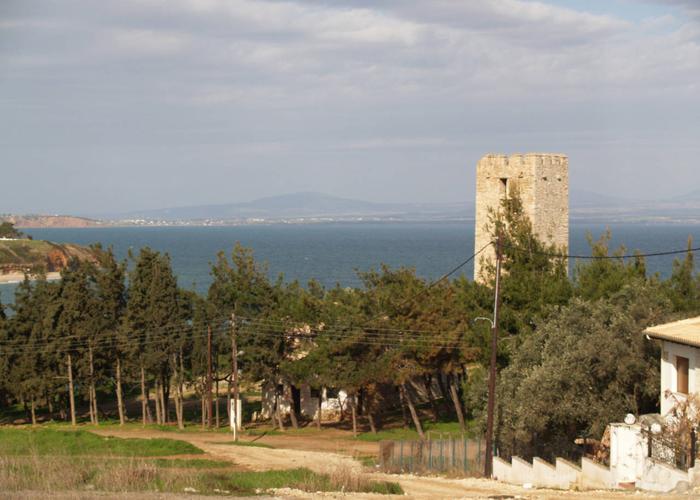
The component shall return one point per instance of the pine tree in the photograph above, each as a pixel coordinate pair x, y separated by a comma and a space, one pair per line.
152, 321
111, 304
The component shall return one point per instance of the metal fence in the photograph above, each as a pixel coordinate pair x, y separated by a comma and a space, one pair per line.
679, 450
457, 455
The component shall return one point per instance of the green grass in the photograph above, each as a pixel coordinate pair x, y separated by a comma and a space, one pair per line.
368, 461
446, 429
114, 424
305, 480
45, 441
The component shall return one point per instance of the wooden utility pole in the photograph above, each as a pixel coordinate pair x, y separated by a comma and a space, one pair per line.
71, 391
209, 378
488, 463
234, 377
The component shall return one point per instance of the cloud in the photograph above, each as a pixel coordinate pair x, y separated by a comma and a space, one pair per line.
146, 42
311, 89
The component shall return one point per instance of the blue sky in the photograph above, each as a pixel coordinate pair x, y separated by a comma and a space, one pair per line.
118, 106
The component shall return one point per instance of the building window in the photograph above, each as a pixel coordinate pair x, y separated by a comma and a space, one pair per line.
681, 375
504, 188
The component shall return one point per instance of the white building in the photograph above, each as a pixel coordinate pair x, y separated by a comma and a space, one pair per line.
680, 360
333, 403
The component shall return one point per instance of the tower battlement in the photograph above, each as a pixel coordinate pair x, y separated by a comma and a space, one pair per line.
542, 182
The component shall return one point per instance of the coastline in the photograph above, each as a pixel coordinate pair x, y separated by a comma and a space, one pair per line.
17, 277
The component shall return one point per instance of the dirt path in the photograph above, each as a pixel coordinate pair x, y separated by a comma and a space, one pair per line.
328, 453
255, 458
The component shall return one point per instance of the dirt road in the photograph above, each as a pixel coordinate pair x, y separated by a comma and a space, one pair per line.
334, 450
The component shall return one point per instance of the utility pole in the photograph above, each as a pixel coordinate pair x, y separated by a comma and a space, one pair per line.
209, 377
71, 391
234, 377
488, 463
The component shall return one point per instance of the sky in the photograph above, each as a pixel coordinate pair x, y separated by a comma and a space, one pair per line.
111, 106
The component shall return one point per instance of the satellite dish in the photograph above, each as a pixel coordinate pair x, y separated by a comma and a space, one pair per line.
630, 419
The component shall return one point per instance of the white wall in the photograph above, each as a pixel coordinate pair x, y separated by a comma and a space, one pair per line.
628, 449
668, 372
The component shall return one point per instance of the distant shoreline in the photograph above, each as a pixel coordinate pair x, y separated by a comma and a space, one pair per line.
574, 219
17, 277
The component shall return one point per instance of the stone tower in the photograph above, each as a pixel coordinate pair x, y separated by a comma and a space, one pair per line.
541, 180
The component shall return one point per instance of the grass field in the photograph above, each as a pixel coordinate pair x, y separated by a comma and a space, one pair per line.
444, 429
52, 460
45, 441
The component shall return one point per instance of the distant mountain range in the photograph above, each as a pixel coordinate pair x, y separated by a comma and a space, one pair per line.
302, 205
583, 204
318, 207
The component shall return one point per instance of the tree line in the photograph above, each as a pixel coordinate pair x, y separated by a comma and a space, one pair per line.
571, 360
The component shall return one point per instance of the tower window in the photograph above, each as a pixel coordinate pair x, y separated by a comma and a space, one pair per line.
504, 187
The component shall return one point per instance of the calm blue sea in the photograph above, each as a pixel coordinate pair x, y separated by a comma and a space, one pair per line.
332, 253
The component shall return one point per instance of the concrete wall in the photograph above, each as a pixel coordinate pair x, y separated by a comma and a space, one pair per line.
591, 475
521, 471
501, 470
541, 181
595, 476
568, 474
669, 380
661, 477
545, 475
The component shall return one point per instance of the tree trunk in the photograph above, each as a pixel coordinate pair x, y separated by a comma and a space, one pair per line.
278, 410
93, 392
144, 398
404, 415
414, 414
369, 409
427, 381
320, 408
120, 397
156, 389
94, 402
49, 403
164, 396
181, 390
292, 406
216, 401
443, 392
457, 403
353, 408
204, 407
33, 406
370, 419
165, 401
178, 394
71, 391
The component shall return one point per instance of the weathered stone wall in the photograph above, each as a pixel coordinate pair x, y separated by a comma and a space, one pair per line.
541, 181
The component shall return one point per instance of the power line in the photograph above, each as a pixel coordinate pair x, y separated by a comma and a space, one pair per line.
602, 257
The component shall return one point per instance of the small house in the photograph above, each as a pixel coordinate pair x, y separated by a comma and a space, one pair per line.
680, 360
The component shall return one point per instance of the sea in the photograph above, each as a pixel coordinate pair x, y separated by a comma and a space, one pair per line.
333, 253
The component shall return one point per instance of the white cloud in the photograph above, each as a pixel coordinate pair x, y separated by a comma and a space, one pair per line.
146, 42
